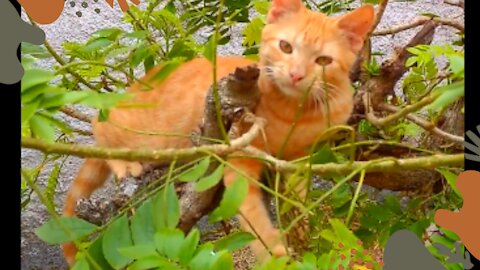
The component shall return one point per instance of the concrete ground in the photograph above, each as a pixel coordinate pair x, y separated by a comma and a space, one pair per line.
69, 27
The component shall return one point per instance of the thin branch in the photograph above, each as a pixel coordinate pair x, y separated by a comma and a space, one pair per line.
419, 21
377, 165
358, 70
401, 113
378, 17
428, 126
164, 155
75, 114
457, 3
62, 62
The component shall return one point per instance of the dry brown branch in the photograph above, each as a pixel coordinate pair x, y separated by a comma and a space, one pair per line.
392, 70
358, 72
417, 22
428, 126
75, 114
398, 114
457, 3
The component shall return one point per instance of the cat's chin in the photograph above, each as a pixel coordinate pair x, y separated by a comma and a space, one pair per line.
291, 91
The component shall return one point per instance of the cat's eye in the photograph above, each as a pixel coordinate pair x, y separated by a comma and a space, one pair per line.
285, 47
324, 60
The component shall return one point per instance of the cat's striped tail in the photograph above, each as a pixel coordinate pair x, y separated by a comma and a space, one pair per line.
91, 176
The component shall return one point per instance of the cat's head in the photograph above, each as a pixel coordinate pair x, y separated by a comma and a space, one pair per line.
299, 44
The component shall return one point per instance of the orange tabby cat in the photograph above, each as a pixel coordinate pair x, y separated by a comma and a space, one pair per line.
297, 46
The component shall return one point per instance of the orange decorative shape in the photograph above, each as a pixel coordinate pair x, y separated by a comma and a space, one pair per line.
466, 222
44, 11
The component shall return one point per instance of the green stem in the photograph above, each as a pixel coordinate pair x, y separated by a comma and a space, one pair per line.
355, 197
55, 217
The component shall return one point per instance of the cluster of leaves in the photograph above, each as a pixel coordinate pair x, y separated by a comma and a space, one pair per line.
163, 34
146, 240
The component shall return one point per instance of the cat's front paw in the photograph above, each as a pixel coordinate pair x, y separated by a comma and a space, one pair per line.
279, 251
122, 169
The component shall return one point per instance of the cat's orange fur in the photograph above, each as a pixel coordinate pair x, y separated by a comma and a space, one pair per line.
285, 76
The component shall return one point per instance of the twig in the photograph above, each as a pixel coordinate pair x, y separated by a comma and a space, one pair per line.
164, 155
62, 62
378, 17
358, 70
457, 3
75, 114
428, 126
389, 165
380, 122
419, 21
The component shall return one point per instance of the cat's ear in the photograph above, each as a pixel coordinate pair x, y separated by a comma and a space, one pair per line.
356, 25
280, 8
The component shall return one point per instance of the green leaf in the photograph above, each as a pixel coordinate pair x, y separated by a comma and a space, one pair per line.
166, 70
196, 171
28, 111
411, 61
64, 229
166, 208
108, 33
139, 55
210, 48
457, 64
81, 264
138, 251
343, 233
42, 128
137, 34
32, 93
414, 51
261, 6
419, 227
51, 185
203, 259
451, 180
224, 261
150, 262
117, 236
103, 115
253, 32
96, 44
37, 51
234, 241
393, 204
379, 212
233, 197
142, 224
324, 155
104, 100
448, 94
95, 251
61, 99
168, 242
34, 77
189, 246
209, 181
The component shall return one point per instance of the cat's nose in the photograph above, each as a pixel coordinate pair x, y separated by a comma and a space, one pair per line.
296, 77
